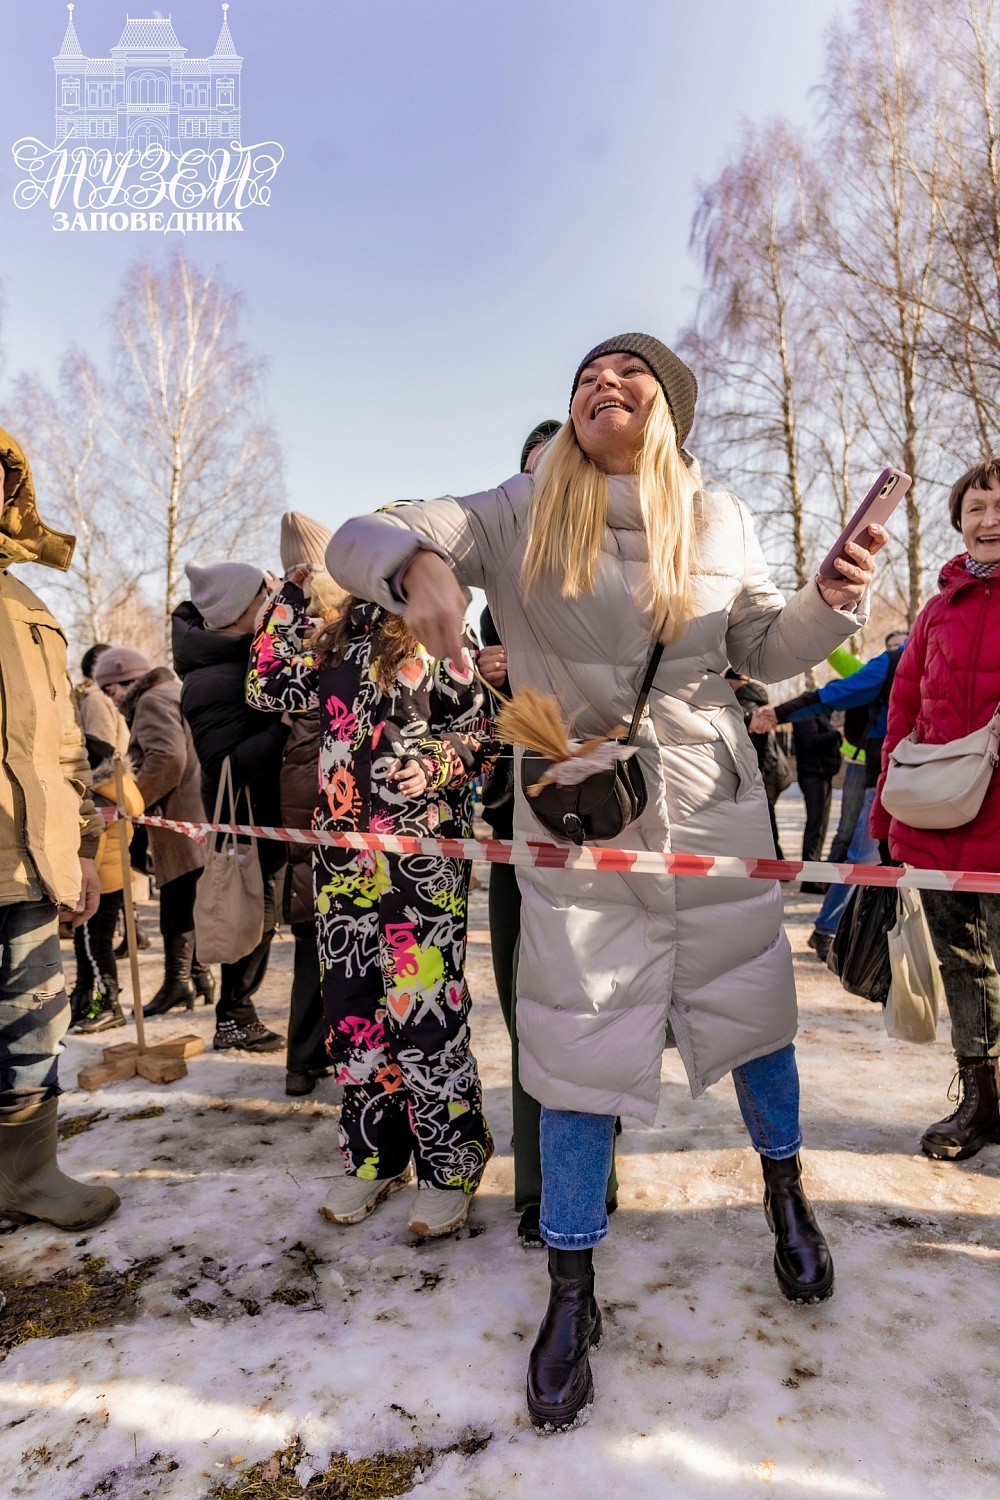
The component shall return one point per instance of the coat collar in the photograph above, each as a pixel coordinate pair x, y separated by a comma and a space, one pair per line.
152, 679
955, 576
624, 512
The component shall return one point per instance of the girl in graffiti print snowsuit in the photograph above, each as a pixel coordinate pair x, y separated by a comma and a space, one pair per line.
402, 737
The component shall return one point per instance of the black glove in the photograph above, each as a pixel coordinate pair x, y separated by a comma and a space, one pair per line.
783, 711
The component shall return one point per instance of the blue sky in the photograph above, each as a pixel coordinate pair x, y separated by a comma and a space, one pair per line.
474, 192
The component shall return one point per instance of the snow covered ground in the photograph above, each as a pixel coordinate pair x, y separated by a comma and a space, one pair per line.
709, 1383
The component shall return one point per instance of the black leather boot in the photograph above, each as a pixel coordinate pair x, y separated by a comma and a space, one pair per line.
204, 982
976, 1121
177, 987
802, 1260
560, 1384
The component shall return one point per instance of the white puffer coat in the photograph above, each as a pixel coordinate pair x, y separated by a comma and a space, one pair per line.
612, 967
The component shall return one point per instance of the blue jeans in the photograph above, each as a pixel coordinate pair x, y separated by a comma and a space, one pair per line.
576, 1148
34, 1011
863, 851
852, 800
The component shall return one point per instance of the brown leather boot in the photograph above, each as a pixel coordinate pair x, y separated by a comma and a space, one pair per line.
976, 1121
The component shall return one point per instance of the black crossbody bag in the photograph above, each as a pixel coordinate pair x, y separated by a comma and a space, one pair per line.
602, 805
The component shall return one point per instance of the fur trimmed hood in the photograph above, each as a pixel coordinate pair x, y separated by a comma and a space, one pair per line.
152, 679
24, 536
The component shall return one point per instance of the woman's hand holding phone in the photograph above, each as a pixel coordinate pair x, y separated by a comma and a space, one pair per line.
857, 571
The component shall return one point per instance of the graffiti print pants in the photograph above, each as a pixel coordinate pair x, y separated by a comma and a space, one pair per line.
391, 932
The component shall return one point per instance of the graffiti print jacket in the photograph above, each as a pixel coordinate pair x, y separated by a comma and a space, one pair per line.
436, 712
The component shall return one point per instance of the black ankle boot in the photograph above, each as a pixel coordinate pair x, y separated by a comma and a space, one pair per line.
802, 1260
976, 1121
559, 1380
177, 987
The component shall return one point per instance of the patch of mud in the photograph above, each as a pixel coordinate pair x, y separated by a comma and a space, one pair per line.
72, 1301
72, 1125
282, 1476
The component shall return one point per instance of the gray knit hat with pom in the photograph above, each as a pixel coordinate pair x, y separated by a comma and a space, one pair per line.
678, 382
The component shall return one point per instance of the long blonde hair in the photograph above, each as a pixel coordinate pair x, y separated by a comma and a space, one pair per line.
569, 512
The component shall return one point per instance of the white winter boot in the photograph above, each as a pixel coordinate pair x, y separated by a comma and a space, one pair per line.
438, 1211
352, 1199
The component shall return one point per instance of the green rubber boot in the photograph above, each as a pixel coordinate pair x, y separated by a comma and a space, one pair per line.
31, 1184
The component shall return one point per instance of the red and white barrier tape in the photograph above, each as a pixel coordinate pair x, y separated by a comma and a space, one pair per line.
598, 857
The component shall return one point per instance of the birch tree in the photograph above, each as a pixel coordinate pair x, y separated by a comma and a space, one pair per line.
967, 200
65, 434
204, 461
883, 229
755, 335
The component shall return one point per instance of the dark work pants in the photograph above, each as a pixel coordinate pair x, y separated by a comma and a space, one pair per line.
965, 931
818, 794
242, 980
307, 1025
505, 930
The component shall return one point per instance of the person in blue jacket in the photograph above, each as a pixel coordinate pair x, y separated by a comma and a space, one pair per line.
867, 690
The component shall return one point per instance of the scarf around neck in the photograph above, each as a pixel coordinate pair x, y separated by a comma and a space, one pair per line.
979, 569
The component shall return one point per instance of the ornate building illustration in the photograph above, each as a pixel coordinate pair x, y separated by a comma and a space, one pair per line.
148, 92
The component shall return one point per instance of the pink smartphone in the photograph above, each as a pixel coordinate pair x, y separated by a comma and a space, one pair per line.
876, 508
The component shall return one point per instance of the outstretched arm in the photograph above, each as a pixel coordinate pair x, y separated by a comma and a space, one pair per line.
417, 559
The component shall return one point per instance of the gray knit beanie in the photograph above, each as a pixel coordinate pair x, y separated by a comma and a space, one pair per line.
303, 540
220, 593
677, 381
120, 664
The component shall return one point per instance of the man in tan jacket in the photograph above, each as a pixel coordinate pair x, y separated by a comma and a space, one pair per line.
49, 831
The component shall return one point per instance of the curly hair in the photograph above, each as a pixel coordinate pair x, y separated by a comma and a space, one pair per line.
392, 642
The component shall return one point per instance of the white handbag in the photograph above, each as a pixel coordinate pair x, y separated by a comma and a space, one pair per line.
916, 993
941, 786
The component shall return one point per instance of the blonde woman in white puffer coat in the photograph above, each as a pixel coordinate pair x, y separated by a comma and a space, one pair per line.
609, 546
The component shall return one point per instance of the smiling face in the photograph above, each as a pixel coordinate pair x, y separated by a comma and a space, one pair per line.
981, 523
610, 408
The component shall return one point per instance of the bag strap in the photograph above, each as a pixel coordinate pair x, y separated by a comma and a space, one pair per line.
225, 785
225, 780
644, 691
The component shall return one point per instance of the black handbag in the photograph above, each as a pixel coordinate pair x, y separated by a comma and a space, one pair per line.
603, 804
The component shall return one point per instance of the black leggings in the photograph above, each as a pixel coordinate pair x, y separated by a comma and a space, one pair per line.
94, 946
